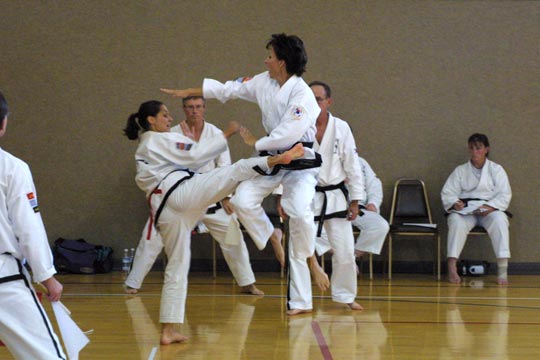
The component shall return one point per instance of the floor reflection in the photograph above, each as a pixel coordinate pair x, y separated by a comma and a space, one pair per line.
351, 335
208, 340
472, 334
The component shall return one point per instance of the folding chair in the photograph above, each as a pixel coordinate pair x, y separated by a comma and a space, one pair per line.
411, 216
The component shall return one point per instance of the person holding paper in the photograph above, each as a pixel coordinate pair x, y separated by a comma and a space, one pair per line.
24, 326
218, 218
478, 193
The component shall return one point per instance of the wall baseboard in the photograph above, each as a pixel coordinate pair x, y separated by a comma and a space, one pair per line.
398, 267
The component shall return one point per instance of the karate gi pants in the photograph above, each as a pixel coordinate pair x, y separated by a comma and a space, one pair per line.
24, 326
185, 206
338, 235
298, 193
373, 230
496, 225
236, 256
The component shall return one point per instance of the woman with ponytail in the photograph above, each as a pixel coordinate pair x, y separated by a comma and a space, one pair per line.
178, 197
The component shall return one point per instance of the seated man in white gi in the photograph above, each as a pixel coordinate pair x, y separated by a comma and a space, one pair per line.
373, 227
478, 193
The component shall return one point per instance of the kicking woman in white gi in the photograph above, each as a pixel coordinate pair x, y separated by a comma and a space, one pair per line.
289, 111
178, 198
373, 227
217, 218
478, 193
24, 326
335, 203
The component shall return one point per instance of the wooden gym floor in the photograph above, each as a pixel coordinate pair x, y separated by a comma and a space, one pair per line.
409, 317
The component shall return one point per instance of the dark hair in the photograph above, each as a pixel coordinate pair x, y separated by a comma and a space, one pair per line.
3, 109
186, 99
326, 87
139, 121
289, 48
479, 138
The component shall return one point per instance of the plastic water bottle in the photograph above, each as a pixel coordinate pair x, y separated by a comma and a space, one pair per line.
125, 261
131, 256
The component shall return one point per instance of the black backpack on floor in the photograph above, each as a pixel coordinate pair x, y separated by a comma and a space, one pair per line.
80, 257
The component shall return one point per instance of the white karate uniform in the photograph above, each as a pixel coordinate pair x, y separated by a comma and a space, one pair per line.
163, 160
236, 256
340, 163
24, 326
493, 187
288, 116
373, 227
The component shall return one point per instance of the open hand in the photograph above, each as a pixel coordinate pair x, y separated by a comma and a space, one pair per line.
186, 130
248, 137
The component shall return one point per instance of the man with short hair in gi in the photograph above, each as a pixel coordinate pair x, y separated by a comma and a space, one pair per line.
478, 193
217, 219
24, 326
336, 204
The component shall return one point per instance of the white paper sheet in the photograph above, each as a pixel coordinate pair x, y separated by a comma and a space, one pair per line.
433, 226
74, 339
472, 206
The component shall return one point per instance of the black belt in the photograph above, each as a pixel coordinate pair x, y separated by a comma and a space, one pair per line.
339, 214
297, 164
15, 277
168, 193
466, 202
214, 209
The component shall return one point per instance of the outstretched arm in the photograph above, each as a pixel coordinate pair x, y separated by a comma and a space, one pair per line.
184, 93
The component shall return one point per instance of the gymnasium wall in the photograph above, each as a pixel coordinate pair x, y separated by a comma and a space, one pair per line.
413, 78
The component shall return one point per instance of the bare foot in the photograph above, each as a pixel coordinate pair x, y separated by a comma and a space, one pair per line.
355, 306
275, 240
293, 312
454, 278
169, 335
252, 289
129, 290
319, 276
297, 151
502, 281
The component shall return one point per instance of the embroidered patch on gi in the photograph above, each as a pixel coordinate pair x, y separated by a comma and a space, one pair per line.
183, 146
33, 201
298, 112
243, 79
